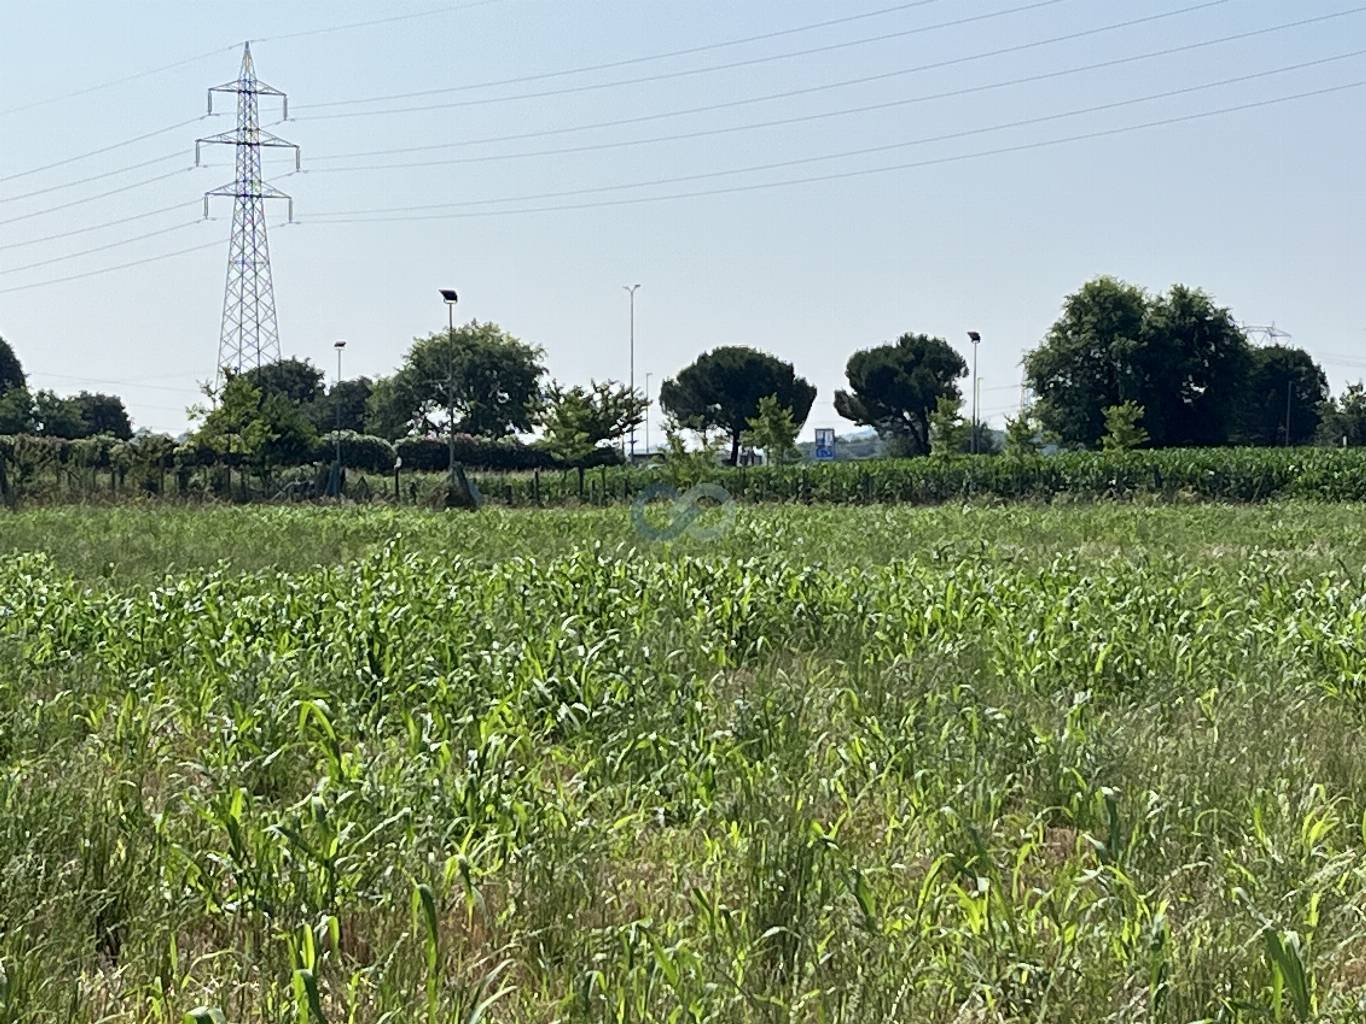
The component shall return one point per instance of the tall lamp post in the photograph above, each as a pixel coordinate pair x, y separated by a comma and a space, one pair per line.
976, 340
631, 290
336, 407
449, 296
647, 413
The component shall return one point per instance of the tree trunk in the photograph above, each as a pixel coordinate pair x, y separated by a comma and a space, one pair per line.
735, 448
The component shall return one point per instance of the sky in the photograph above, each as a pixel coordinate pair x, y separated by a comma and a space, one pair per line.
937, 213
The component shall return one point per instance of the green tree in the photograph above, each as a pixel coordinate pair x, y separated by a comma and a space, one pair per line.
722, 390
260, 431
103, 414
345, 403
685, 466
477, 379
1124, 428
774, 431
58, 416
949, 433
11, 372
1343, 420
579, 420
896, 389
1178, 355
386, 414
17, 412
1024, 435
296, 380
1279, 375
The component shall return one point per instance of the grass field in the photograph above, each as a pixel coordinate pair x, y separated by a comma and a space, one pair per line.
955, 764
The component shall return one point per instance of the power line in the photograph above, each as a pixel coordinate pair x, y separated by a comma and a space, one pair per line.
101, 248
94, 177
103, 195
233, 48
110, 270
754, 187
710, 108
627, 62
800, 119
118, 81
90, 228
866, 151
866, 172
447, 9
113, 383
105, 149
690, 72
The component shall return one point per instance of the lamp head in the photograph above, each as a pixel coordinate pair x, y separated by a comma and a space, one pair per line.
449, 295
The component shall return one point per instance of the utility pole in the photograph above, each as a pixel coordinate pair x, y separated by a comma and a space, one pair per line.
1289, 399
336, 407
631, 290
976, 340
647, 412
449, 296
250, 334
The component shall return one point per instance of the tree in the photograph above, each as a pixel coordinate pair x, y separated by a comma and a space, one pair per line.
722, 390
386, 415
895, 389
1123, 428
1179, 356
103, 414
477, 379
1193, 362
1024, 435
344, 405
58, 416
296, 380
235, 426
774, 432
1343, 420
1277, 374
11, 372
949, 434
17, 412
261, 431
578, 420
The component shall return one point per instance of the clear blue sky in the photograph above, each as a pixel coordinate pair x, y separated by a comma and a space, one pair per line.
1262, 208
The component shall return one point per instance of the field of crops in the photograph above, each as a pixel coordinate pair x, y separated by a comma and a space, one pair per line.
859, 764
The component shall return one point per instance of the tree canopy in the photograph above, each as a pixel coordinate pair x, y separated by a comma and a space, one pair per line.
1178, 355
343, 407
577, 420
11, 372
477, 380
259, 429
1279, 375
1344, 418
722, 390
895, 389
296, 380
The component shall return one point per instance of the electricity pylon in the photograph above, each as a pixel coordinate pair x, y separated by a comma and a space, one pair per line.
250, 335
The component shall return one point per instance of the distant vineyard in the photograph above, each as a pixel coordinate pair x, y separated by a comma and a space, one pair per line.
1241, 475
509, 474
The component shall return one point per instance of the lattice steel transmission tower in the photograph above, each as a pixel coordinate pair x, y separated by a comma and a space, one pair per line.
250, 335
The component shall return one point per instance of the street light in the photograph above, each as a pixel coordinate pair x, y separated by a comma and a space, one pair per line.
647, 412
976, 340
631, 290
336, 405
449, 296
